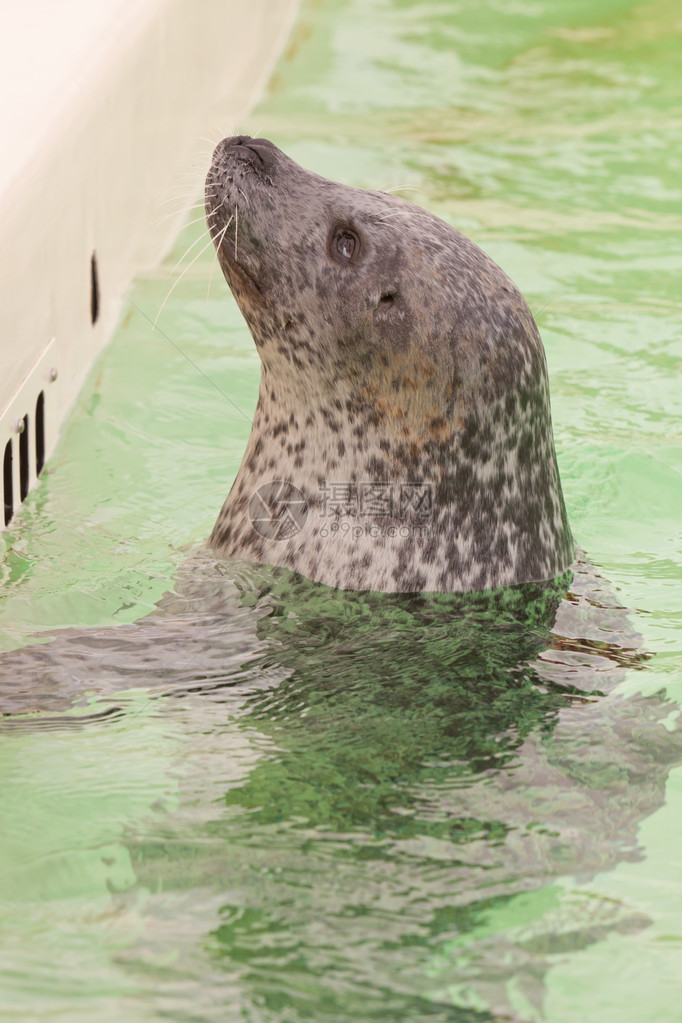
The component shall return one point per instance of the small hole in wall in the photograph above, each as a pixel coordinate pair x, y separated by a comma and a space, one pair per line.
94, 290
23, 461
40, 433
7, 482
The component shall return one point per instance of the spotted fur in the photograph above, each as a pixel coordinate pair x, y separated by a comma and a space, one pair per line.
413, 361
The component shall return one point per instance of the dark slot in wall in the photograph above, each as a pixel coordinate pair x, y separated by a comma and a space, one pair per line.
23, 461
40, 433
94, 290
7, 482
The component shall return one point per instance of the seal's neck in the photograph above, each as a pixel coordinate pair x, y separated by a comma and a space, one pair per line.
402, 487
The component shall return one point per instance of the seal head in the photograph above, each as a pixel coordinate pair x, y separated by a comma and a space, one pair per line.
402, 439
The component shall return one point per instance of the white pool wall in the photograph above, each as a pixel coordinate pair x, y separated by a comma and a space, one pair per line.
107, 115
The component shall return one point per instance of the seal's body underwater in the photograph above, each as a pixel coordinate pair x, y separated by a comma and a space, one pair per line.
402, 439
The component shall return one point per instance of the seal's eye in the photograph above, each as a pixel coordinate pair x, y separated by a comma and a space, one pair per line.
345, 245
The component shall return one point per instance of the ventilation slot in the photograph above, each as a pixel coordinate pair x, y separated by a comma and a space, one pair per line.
40, 433
23, 461
7, 482
94, 290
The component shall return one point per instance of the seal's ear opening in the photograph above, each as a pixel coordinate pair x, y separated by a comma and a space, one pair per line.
386, 300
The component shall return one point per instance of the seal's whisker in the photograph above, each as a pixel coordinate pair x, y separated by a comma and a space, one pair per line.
204, 216
189, 223
187, 252
190, 190
209, 142
236, 229
401, 188
189, 186
179, 278
218, 132
215, 257
181, 207
542, 308
192, 194
244, 194
280, 448
388, 216
395, 213
187, 209
186, 196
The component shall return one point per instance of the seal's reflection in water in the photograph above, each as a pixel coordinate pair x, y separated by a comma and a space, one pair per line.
432, 761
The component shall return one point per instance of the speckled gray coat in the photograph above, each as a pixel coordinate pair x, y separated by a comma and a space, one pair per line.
402, 439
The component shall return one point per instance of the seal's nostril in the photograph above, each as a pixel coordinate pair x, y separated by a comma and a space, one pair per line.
225, 145
262, 145
235, 140
246, 149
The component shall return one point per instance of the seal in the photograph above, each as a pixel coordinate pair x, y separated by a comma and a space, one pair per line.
402, 439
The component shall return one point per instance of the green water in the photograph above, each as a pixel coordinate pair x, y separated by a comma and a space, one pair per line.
273, 803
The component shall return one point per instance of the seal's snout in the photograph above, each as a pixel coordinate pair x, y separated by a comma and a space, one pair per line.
240, 164
259, 153
239, 173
